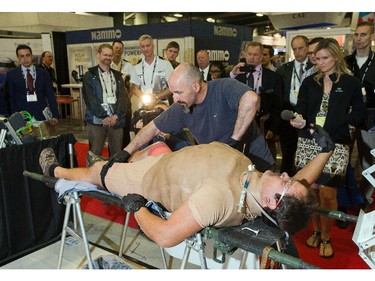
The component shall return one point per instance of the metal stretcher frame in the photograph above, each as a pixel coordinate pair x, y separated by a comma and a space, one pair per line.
193, 243
224, 242
226, 239
223, 237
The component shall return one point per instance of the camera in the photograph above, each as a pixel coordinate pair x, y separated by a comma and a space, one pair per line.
247, 68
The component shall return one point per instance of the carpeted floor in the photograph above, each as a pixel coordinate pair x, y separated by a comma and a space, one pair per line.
346, 252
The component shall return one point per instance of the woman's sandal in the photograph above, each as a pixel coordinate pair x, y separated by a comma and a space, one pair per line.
326, 250
314, 240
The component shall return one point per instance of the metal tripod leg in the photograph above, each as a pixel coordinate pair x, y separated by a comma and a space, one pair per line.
164, 258
73, 199
123, 236
197, 244
71, 164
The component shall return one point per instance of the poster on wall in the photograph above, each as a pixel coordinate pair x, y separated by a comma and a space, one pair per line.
225, 51
80, 55
9, 46
132, 53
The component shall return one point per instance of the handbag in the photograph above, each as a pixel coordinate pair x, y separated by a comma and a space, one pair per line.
308, 149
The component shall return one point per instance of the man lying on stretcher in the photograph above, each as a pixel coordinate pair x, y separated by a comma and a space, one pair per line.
201, 186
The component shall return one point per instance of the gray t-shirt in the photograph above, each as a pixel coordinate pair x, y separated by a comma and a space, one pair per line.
213, 119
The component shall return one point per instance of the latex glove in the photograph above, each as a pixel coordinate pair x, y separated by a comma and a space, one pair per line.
133, 202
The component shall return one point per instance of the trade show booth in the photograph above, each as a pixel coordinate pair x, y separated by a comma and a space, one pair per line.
223, 42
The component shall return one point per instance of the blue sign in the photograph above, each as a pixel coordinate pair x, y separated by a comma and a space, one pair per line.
194, 28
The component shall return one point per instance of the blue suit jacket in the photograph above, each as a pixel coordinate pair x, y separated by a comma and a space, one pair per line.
17, 91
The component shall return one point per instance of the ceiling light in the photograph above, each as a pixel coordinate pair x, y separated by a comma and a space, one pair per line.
178, 15
210, 20
259, 15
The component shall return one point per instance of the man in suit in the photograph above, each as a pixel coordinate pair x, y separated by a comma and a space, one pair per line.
268, 53
291, 74
29, 88
267, 84
203, 62
46, 63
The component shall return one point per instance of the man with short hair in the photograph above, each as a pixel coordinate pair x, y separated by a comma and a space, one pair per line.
120, 64
46, 63
29, 88
268, 53
362, 64
218, 110
171, 51
203, 62
106, 104
312, 45
291, 73
152, 73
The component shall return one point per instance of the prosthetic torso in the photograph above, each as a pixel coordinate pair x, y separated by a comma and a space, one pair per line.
213, 188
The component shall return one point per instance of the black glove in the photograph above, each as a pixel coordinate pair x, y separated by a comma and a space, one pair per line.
323, 139
233, 143
133, 202
120, 157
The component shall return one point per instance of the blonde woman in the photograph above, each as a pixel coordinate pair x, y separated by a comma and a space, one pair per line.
331, 98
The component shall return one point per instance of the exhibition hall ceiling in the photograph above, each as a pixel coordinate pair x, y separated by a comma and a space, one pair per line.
260, 20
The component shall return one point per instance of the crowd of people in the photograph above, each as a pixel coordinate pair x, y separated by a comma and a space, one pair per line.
241, 106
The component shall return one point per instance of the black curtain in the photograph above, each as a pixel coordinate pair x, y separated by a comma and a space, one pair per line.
61, 60
30, 215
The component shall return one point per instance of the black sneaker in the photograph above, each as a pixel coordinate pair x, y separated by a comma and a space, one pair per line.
46, 159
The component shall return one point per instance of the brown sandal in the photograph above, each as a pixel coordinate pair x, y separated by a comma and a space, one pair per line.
326, 250
314, 240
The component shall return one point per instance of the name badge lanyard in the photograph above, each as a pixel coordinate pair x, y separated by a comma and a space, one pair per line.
363, 78
112, 94
367, 67
295, 75
153, 72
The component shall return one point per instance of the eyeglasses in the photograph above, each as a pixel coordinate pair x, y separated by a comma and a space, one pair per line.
287, 185
214, 71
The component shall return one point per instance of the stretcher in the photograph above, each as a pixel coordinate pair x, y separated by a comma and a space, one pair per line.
252, 245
